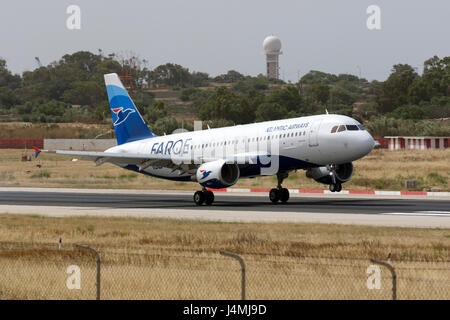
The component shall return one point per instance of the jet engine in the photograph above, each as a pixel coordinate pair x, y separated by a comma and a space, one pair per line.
324, 174
217, 174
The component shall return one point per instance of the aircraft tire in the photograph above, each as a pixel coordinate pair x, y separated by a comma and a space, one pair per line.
209, 197
199, 197
284, 195
274, 195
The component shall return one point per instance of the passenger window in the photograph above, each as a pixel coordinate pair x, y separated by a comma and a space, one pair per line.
341, 128
352, 127
334, 129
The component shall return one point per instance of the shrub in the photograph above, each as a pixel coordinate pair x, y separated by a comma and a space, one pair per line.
41, 174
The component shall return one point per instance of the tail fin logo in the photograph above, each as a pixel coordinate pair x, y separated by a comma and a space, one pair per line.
122, 115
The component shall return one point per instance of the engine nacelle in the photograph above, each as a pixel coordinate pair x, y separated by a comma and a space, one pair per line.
218, 174
322, 174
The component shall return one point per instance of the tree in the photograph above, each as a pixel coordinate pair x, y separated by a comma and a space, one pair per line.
219, 105
394, 91
289, 99
270, 111
142, 100
321, 92
230, 77
84, 93
51, 108
341, 96
165, 125
199, 79
257, 83
7, 79
169, 74
8, 98
156, 111
318, 77
408, 111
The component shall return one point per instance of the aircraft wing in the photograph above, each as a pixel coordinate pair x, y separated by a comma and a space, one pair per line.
120, 158
145, 160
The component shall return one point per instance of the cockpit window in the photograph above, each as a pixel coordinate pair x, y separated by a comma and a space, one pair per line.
352, 127
334, 129
361, 127
341, 128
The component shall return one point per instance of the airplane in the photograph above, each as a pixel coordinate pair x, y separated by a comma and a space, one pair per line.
323, 145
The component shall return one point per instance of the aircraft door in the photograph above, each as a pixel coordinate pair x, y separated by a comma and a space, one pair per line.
313, 135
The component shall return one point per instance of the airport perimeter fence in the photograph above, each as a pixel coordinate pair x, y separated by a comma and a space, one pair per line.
45, 272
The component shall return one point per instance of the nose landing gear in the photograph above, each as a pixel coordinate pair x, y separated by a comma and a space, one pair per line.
204, 196
336, 185
279, 193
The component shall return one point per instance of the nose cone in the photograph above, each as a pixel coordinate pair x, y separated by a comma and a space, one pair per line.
365, 144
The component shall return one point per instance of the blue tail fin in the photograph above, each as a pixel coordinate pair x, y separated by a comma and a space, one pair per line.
127, 120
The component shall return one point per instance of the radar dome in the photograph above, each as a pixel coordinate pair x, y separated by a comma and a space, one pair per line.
271, 44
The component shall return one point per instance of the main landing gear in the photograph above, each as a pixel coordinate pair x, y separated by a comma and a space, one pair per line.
279, 193
204, 196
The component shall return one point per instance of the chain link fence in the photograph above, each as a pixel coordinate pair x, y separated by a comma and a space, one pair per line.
77, 273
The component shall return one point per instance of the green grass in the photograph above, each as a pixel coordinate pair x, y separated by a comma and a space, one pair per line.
129, 176
41, 174
437, 178
105, 176
6, 176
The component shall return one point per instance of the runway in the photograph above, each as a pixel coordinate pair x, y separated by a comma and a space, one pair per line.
388, 211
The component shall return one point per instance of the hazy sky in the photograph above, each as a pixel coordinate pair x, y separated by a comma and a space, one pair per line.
216, 36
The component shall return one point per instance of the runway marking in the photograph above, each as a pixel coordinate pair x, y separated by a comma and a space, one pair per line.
420, 213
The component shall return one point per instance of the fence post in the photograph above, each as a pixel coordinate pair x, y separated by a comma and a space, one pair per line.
241, 261
394, 275
97, 260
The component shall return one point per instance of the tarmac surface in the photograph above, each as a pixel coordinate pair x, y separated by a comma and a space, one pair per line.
408, 211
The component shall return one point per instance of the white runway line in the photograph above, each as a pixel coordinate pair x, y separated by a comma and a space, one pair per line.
420, 213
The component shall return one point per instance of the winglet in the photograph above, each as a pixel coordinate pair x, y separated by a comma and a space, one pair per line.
37, 151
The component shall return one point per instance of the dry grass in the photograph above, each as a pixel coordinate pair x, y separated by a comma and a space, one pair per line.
381, 170
28, 130
179, 259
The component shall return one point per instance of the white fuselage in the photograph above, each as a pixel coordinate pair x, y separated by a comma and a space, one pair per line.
300, 143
